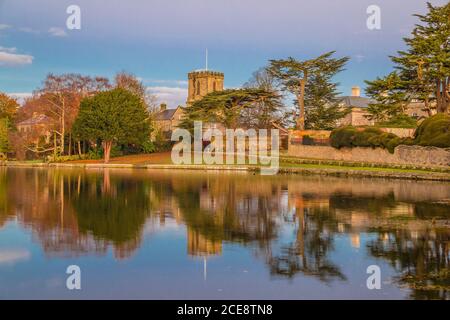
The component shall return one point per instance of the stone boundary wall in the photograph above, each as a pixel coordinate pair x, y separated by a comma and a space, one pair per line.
406, 155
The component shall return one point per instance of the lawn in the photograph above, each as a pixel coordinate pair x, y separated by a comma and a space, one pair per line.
140, 159
165, 158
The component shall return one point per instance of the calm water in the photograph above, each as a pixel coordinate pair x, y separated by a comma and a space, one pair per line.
191, 235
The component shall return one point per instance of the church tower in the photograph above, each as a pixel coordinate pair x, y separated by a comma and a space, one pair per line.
202, 82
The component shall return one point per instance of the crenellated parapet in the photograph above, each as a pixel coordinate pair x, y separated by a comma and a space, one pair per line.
202, 82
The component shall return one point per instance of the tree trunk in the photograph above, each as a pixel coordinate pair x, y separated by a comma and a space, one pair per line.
54, 146
442, 96
446, 94
79, 147
301, 102
63, 127
107, 150
70, 144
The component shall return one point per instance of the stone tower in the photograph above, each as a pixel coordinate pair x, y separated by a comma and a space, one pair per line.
202, 82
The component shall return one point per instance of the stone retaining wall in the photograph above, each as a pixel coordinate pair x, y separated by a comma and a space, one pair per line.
408, 155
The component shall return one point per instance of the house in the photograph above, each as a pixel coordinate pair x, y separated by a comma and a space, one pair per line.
166, 120
39, 125
416, 110
358, 105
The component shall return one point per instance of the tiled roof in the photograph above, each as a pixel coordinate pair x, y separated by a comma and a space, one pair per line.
165, 114
358, 102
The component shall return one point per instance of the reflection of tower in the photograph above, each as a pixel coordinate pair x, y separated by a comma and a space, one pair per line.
202, 82
199, 246
355, 240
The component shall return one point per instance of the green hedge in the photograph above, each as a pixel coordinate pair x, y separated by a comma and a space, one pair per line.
369, 137
434, 132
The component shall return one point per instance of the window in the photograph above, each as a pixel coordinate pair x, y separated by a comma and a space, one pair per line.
198, 87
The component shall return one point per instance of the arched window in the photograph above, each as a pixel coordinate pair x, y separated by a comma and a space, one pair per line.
198, 87
214, 86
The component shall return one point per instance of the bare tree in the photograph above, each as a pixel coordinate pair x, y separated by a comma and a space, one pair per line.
130, 82
61, 96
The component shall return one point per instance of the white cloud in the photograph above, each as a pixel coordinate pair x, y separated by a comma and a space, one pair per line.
29, 30
20, 96
8, 57
359, 57
166, 82
4, 26
57, 32
13, 256
173, 97
9, 50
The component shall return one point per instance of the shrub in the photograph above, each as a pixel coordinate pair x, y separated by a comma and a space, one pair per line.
116, 151
434, 131
343, 137
148, 146
95, 154
163, 146
369, 137
391, 143
66, 158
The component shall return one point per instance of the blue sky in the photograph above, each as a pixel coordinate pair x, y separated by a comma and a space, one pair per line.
161, 40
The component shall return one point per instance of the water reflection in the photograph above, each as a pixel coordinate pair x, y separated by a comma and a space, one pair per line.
288, 223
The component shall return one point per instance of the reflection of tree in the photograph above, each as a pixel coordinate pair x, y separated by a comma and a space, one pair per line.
240, 217
113, 209
3, 197
308, 252
423, 258
406, 238
431, 210
40, 200
372, 205
289, 223
251, 217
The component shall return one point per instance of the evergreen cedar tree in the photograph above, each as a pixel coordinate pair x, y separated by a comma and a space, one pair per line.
422, 70
227, 107
115, 116
310, 81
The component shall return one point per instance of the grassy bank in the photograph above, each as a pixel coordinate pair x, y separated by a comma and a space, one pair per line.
288, 165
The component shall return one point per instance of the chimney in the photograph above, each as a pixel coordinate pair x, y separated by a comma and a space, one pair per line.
356, 91
162, 106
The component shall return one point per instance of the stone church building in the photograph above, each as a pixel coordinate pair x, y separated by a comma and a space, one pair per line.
200, 83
